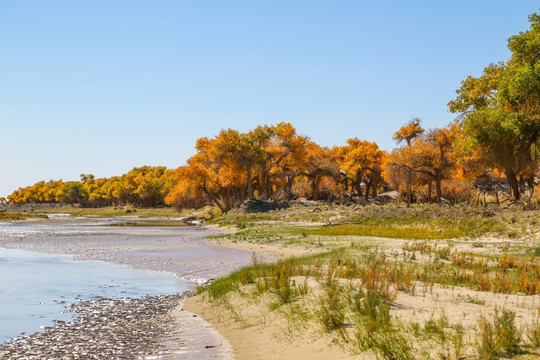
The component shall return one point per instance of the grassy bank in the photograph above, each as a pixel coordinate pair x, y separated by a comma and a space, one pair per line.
353, 297
422, 221
20, 216
167, 223
391, 282
109, 211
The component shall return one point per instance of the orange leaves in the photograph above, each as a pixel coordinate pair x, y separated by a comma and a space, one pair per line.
409, 131
427, 158
144, 186
234, 166
274, 162
361, 163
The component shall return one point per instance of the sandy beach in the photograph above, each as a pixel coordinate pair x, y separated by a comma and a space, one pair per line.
176, 334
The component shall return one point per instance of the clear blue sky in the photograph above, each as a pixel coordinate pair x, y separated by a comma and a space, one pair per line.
103, 86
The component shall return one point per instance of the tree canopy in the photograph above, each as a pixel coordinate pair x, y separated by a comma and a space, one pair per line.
500, 110
496, 133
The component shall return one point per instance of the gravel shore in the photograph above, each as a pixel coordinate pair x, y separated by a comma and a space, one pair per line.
103, 329
151, 328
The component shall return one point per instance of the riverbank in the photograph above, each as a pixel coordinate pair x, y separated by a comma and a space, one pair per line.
343, 295
134, 328
76, 210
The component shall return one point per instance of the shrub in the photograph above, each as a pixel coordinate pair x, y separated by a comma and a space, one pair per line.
486, 346
500, 337
332, 310
506, 332
533, 333
372, 309
281, 281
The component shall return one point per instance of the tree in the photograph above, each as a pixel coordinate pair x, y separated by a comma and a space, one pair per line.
218, 173
427, 158
360, 161
319, 164
71, 192
500, 110
433, 156
407, 133
286, 156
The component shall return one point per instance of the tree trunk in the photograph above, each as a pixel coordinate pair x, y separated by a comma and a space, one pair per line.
358, 182
438, 182
249, 183
288, 187
429, 190
358, 187
530, 184
366, 194
513, 183
268, 188
374, 186
409, 188
214, 200
264, 179
521, 184
315, 188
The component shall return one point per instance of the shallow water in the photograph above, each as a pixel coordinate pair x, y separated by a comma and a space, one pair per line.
35, 287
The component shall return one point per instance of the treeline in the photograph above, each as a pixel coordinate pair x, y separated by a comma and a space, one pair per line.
144, 186
274, 162
491, 150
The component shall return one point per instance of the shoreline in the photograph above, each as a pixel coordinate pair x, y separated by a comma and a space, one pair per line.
179, 334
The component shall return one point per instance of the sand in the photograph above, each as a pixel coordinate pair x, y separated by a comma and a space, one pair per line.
255, 332
260, 341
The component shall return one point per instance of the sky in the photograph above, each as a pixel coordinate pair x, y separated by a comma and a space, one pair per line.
103, 86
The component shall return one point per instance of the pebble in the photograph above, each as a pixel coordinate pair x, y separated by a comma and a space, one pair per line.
125, 328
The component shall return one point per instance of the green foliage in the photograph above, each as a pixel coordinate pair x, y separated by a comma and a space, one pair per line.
501, 108
332, 307
112, 211
390, 345
372, 309
486, 347
281, 281
533, 333
436, 328
506, 332
500, 337
413, 222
